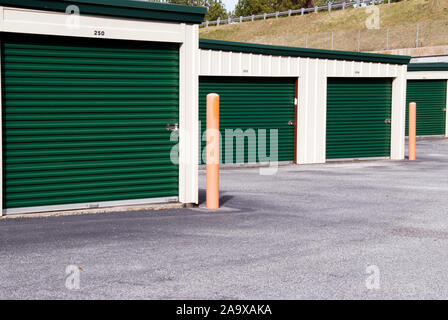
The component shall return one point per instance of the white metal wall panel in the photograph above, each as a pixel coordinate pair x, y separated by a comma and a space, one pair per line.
398, 124
57, 24
189, 116
427, 75
226, 63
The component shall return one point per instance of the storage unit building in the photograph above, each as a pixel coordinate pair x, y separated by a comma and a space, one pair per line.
427, 86
345, 104
88, 89
101, 102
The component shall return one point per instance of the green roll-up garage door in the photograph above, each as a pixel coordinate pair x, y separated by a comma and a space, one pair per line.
248, 103
86, 121
430, 96
357, 113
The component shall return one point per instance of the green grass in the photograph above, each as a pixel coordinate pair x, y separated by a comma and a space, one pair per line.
400, 18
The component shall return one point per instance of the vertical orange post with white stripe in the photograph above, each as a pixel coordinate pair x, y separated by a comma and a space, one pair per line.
212, 152
412, 129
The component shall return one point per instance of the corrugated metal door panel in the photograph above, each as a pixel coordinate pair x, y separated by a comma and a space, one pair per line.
252, 103
356, 114
86, 121
430, 96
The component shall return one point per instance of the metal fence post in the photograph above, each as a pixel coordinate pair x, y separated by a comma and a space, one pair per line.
264, 16
206, 23
359, 40
332, 40
241, 19
276, 15
229, 21
302, 11
343, 5
387, 38
253, 18
289, 12
218, 21
329, 6
388, 1
316, 8
416, 36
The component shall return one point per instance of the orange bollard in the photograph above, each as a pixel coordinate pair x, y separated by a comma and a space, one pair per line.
212, 152
412, 129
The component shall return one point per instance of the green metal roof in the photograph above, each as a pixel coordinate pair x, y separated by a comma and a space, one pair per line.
301, 52
431, 66
118, 8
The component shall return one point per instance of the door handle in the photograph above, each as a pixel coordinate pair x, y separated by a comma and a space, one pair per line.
290, 123
388, 121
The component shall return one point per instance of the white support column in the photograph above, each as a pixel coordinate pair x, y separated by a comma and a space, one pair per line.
398, 115
188, 116
312, 112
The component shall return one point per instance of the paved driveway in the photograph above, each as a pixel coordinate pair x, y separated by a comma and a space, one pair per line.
316, 231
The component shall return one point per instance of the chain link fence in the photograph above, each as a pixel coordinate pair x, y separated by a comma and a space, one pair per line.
431, 33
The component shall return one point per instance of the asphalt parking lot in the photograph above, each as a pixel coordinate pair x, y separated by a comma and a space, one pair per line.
308, 232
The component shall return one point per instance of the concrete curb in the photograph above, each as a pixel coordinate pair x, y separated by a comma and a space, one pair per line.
155, 207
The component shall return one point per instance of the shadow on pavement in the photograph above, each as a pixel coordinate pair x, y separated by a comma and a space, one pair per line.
222, 200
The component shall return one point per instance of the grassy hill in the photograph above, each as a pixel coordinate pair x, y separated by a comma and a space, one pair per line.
398, 28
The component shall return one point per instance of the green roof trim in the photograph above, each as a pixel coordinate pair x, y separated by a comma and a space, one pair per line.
301, 52
132, 9
428, 66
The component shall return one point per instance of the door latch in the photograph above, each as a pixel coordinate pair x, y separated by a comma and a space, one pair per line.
172, 127
444, 109
290, 123
388, 121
